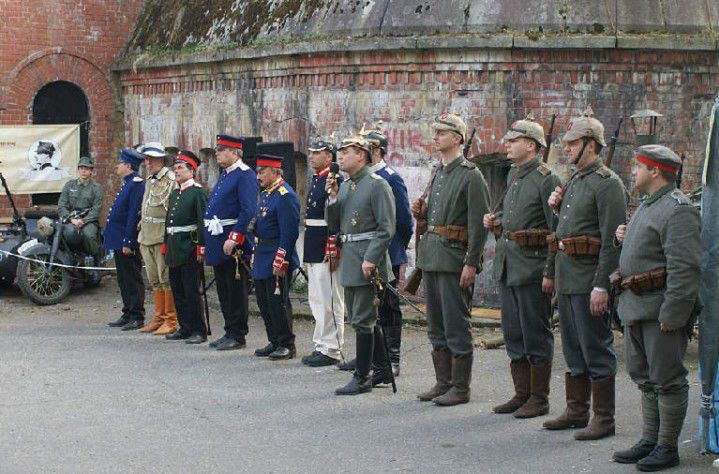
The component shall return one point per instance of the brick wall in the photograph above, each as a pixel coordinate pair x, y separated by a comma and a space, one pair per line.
70, 40
283, 98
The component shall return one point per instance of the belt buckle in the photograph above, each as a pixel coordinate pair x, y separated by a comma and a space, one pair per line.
560, 245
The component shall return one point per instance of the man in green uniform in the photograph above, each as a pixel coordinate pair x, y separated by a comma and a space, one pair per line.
184, 249
659, 271
160, 183
525, 270
450, 256
590, 207
363, 210
83, 195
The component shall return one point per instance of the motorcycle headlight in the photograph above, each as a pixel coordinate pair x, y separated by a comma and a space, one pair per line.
45, 227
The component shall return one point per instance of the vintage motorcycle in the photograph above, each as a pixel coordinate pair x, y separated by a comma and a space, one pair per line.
52, 259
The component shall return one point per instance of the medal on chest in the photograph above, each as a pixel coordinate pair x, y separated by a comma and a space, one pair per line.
353, 186
355, 221
263, 211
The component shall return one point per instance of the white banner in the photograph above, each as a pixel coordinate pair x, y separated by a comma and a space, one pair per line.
39, 158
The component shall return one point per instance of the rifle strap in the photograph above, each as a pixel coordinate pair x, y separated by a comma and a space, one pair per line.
514, 179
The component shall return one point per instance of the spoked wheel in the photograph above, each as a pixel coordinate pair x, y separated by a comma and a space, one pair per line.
42, 283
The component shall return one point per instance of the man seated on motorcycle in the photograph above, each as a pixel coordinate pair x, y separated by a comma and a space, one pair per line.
81, 200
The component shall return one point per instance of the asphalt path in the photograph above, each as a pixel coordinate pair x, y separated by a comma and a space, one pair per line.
78, 396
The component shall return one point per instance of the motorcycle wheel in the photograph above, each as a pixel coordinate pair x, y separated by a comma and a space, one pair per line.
42, 284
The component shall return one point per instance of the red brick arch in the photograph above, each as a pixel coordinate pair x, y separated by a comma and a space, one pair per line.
57, 64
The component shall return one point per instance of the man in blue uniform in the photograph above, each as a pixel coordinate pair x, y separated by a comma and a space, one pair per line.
230, 208
120, 236
321, 254
389, 312
276, 231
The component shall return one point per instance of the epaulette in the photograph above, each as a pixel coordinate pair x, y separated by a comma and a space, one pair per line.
282, 190
373, 175
543, 169
467, 164
680, 197
604, 172
137, 179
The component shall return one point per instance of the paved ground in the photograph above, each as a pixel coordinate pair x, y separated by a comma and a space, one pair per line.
77, 396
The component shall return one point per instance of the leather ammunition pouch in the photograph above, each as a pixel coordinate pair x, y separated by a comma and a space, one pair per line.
457, 233
644, 282
580, 246
529, 238
615, 280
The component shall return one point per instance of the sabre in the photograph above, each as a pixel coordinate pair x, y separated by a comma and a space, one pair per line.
203, 282
377, 282
396, 292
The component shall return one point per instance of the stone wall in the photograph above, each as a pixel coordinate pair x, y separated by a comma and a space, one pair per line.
283, 97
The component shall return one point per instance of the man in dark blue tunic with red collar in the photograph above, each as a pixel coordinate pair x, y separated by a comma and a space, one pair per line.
276, 232
231, 207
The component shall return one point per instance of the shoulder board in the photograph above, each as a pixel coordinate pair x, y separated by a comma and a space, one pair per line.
282, 190
468, 164
390, 171
543, 170
137, 179
604, 172
197, 185
373, 175
680, 197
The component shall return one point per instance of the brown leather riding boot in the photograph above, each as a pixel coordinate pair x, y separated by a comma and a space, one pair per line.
461, 378
602, 424
538, 403
442, 361
576, 415
159, 299
520, 378
170, 324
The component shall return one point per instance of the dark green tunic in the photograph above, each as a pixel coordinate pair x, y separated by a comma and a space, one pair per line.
77, 196
525, 206
186, 207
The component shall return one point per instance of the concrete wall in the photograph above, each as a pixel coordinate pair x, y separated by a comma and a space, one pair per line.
297, 97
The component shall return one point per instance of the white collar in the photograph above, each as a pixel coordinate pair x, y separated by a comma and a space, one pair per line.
377, 166
189, 183
237, 164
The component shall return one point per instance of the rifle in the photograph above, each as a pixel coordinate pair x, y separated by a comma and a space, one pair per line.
681, 172
549, 139
415, 278
613, 143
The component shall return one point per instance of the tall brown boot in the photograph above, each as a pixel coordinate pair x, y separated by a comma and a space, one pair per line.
461, 378
602, 424
442, 361
170, 324
576, 415
538, 403
159, 299
521, 379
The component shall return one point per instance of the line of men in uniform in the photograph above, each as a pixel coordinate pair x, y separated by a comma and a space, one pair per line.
551, 238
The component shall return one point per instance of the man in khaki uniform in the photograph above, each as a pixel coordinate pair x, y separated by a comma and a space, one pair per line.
590, 207
659, 271
450, 256
160, 183
525, 270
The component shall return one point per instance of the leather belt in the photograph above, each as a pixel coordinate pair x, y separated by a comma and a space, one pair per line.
181, 228
358, 237
452, 232
261, 241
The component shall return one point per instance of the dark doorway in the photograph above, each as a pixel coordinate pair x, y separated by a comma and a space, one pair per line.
61, 102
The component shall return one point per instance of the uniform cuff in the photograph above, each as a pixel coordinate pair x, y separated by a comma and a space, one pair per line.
237, 237
201, 250
600, 289
280, 263
163, 249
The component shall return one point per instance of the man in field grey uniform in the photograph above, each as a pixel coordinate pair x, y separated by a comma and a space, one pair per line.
590, 206
525, 270
450, 256
659, 271
363, 210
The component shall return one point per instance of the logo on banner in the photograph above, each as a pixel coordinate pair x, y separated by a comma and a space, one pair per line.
44, 157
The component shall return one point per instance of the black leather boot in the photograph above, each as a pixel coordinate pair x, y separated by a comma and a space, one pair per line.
360, 382
381, 368
348, 366
393, 336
